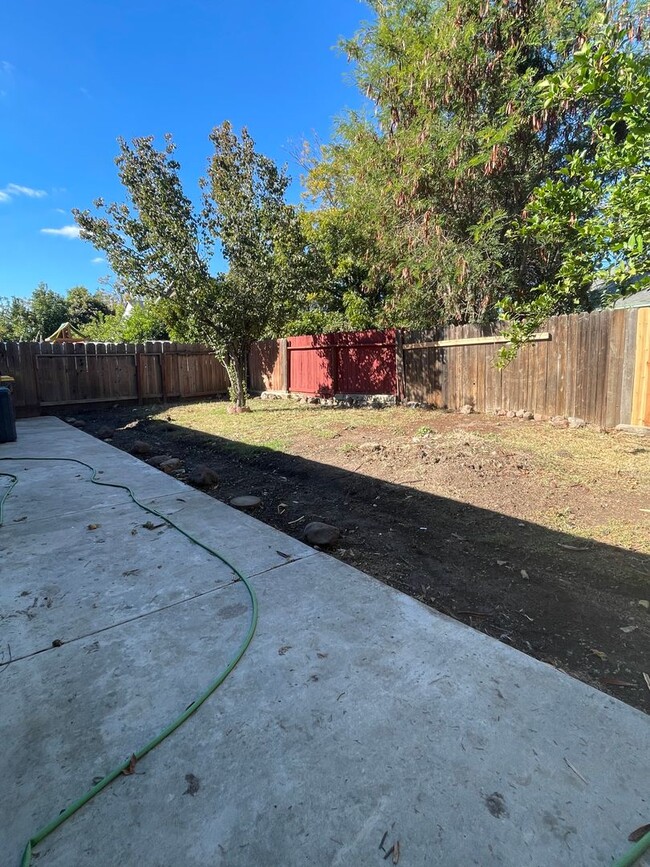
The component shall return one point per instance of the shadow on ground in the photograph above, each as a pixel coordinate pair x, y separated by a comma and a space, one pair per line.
569, 602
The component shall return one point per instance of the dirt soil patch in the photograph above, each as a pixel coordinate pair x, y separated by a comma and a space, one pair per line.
536, 535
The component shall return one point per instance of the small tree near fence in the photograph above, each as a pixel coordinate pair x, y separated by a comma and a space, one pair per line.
160, 246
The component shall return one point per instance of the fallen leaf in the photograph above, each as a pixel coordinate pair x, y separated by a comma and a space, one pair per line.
502, 562
396, 852
93, 526
614, 681
149, 525
598, 653
389, 853
572, 547
646, 677
383, 840
130, 572
131, 767
475, 613
18, 520
639, 833
628, 628
525, 575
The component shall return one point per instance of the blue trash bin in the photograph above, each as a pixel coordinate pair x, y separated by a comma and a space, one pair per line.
7, 417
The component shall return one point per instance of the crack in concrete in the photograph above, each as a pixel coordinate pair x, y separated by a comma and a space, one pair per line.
76, 638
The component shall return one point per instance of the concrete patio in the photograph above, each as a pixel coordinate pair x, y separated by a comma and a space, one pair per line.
357, 716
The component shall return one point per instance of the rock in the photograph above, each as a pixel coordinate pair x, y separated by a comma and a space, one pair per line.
644, 603
78, 423
245, 502
105, 433
157, 460
559, 421
634, 430
511, 413
370, 447
171, 465
538, 416
467, 409
236, 410
323, 535
203, 477
528, 416
576, 423
140, 447
520, 413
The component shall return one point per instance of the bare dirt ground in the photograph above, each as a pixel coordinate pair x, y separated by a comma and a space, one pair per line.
535, 535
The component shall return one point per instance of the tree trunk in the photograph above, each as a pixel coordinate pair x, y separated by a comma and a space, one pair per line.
237, 367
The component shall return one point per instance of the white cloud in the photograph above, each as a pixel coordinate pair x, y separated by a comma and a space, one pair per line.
12, 191
6, 67
98, 260
60, 211
63, 232
30, 192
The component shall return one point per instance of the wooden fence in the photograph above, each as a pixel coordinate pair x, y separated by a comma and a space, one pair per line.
595, 366
592, 365
51, 375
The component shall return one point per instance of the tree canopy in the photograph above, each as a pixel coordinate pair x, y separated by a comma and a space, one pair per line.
484, 112
39, 315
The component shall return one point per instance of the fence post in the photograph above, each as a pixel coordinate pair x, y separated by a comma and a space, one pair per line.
399, 365
284, 366
335, 368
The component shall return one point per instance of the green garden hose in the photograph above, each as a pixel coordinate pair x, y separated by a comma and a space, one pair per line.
45, 831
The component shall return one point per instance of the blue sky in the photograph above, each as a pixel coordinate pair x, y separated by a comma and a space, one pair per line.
76, 75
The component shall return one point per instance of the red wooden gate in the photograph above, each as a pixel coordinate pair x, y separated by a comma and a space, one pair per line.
353, 362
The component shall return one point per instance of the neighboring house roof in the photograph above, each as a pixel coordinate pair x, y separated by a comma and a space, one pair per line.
638, 299
603, 291
65, 332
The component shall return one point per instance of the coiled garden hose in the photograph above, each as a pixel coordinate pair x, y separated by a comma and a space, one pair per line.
46, 830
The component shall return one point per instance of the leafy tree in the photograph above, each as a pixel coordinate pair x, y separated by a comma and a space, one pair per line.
161, 247
143, 320
84, 307
47, 310
39, 315
33, 318
15, 319
444, 169
595, 209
